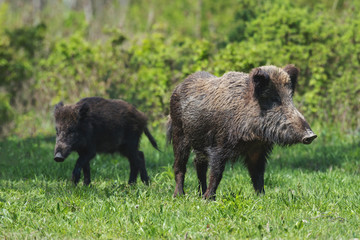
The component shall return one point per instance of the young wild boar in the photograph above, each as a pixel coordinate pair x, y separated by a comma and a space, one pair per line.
238, 114
96, 125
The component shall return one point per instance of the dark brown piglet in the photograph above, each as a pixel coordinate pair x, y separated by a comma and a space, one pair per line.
238, 114
96, 125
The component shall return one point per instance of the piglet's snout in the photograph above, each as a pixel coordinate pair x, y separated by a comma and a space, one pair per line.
59, 157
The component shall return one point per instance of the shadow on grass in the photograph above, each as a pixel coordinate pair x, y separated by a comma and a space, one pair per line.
33, 158
25, 159
317, 157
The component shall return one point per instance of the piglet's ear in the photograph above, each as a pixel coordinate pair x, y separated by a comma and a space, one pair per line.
83, 111
293, 73
260, 79
58, 106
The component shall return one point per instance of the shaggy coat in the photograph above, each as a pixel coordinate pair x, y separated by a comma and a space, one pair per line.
96, 125
238, 114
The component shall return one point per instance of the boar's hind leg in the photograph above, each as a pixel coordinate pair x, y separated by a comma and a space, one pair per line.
201, 165
255, 162
217, 166
83, 162
181, 152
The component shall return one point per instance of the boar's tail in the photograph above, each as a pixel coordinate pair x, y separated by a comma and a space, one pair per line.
169, 131
151, 138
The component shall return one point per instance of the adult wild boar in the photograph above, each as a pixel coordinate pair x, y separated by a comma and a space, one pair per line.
97, 125
238, 114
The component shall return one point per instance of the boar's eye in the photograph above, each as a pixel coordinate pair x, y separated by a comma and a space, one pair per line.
276, 100
270, 101
71, 130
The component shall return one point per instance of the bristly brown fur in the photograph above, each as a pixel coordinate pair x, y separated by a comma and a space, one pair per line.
238, 114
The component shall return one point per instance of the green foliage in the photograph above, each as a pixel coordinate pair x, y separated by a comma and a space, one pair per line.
139, 51
154, 66
6, 111
325, 50
246, 12
72, 71
28, 39
17, 56
69, 54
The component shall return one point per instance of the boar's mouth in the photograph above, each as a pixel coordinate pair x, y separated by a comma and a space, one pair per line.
288, 138
59, 157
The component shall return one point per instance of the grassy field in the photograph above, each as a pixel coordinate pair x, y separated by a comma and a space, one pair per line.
311, 192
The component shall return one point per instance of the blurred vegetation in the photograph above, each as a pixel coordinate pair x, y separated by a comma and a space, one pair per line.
140, 50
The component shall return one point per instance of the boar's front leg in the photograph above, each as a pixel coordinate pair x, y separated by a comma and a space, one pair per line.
83, 162
255, 161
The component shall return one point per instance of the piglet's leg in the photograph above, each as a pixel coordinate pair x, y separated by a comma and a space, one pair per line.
137, 162
134, 168
82, 163
86, 171
143, 173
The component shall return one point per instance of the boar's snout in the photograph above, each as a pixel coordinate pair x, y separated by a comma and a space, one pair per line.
310, 136
59, 157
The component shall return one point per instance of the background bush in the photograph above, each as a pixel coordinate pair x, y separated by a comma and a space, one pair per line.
140, 50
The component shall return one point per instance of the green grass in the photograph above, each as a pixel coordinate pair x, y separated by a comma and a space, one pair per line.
311, 192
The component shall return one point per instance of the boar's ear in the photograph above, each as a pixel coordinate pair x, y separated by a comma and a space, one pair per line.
84, 109
261, 80
293, 74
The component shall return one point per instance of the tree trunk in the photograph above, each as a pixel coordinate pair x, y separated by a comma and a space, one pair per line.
124, 6
198, 19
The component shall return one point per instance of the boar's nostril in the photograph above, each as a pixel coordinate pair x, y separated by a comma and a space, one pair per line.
308, 139
59, 157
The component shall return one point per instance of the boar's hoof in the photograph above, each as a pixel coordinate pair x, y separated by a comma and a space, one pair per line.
178, 193
209, 197
59, 157
308, 139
